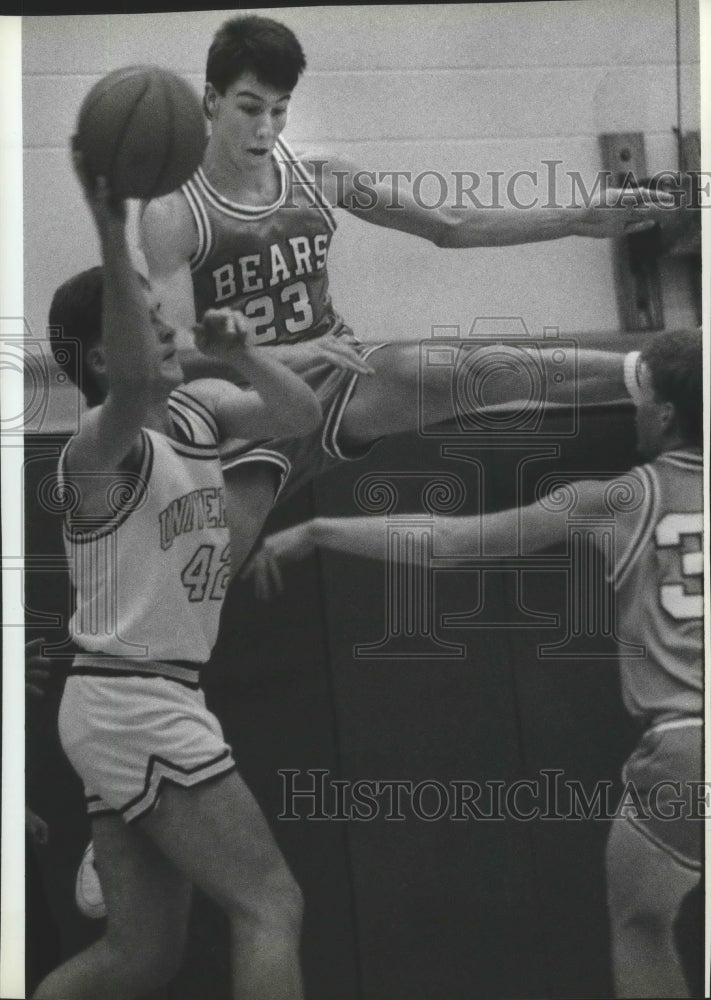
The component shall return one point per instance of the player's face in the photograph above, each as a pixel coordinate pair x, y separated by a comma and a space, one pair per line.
248, 119
171, 369
649, 417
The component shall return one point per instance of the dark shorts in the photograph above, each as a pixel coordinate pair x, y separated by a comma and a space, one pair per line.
307, 457
666, 770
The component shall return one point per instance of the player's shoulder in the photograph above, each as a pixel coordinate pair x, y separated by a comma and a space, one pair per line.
590, 496
167, 223
680, 459
679, 475
197, 403
204, 393
333, 172
611, 497
324, 161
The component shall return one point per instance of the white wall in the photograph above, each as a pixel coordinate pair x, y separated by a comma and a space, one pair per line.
498, 86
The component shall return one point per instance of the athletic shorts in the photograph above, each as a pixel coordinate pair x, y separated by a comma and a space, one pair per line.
307, 457
129, 736
666, 770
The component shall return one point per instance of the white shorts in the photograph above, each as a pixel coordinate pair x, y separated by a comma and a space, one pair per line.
128, 736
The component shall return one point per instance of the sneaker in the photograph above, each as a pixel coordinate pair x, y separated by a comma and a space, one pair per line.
87, 890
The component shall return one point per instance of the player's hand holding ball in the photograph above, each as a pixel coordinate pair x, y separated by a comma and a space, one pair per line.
108, 210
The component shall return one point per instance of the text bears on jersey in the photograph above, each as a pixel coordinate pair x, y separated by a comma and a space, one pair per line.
265, 270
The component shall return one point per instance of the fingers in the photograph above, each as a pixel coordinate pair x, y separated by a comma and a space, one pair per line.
265, 573
345, 356
268, 582
220, 328
36, 826
33, 648
276, 580
105, 205
36, 682
260, 578
200, 337
640, 198
639, 227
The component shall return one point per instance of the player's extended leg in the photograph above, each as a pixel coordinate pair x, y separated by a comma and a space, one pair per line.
645, 889
147, 901
418, 385
216, 834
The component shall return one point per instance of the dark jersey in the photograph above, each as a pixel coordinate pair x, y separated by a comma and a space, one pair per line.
267, 261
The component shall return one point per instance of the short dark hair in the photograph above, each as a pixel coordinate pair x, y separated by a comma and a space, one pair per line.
75, 327
258, 45
674, 360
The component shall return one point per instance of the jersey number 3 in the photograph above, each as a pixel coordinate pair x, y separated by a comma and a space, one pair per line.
676, 599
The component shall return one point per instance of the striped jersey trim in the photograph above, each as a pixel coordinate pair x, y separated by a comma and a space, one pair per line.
631, 370
645, 525
202, 224
198, 191
683, 459
260, 455
161, 772
681, 723
180, 398
334, 418
109, 666
205, 452
182, 426
681, 859
308, 181
78, 534
235, 209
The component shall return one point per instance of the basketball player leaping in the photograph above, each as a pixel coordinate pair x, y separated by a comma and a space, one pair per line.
252, 229
149, 554
653, 857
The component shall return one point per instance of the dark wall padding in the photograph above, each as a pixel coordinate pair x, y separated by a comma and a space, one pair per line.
397, 909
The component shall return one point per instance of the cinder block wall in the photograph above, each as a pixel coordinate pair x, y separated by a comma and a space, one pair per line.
487, 87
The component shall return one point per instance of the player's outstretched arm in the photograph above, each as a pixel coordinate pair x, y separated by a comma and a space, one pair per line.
128, 342
514, 532
389, 202
280, 403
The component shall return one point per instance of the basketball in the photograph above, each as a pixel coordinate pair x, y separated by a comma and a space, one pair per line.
143, 128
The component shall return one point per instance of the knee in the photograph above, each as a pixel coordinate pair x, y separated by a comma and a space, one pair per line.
281, 899
148, 964
276, 902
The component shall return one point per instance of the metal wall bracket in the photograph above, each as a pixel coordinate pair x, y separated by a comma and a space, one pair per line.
637, 284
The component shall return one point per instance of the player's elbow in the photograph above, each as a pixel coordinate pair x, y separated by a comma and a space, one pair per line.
460, 228
445, 230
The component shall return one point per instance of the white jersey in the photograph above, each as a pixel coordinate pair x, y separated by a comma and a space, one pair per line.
150, 582
659, 582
